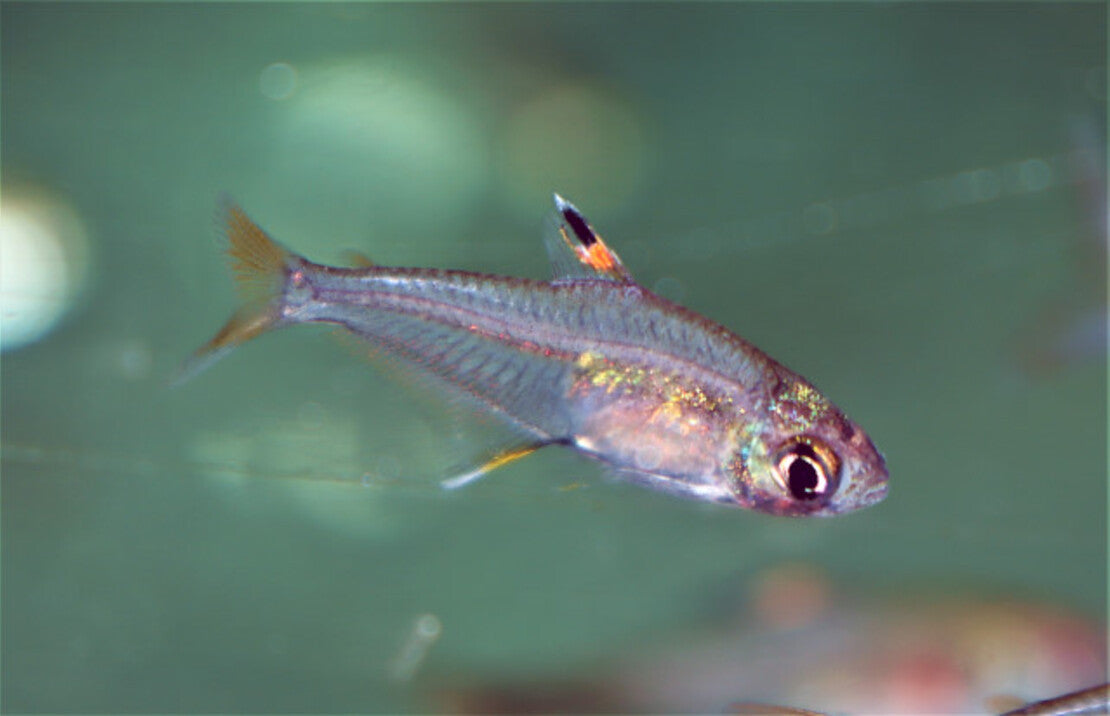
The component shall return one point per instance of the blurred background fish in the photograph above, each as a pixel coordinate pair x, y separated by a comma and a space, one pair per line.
803, 642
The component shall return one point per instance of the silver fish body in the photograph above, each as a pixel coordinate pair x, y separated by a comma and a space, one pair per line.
590, 359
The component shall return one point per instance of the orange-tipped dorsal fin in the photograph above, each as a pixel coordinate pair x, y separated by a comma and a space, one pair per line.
578, 251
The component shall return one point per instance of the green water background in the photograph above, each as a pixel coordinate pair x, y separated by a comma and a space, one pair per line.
871, 193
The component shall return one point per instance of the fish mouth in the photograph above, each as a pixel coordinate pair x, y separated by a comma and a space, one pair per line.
874, 494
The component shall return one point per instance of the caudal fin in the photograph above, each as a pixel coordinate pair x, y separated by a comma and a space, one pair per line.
260, 266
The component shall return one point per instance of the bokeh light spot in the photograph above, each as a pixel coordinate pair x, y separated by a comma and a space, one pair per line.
134, 359
377, 140
278, 81
583, 141
43, 264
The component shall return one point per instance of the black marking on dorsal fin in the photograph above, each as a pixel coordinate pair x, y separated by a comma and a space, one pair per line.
577, 251
578, 224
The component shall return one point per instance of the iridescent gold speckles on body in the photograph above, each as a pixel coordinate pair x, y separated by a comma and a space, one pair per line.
590, 359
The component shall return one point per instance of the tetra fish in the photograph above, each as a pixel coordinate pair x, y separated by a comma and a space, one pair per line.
589, 359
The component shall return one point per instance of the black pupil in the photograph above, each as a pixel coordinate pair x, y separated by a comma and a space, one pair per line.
803, 478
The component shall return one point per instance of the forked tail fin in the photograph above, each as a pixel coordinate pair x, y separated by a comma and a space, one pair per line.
260, 266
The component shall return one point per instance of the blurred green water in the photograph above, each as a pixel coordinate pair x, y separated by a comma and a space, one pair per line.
803, 174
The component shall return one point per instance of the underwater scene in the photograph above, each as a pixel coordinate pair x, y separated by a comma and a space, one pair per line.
524, 467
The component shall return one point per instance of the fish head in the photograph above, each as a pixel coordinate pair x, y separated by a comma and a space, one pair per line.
803, 457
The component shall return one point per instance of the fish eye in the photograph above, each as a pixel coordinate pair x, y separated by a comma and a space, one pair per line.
807, 469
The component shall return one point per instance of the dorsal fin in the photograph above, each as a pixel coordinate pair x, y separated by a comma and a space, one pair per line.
577, 251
